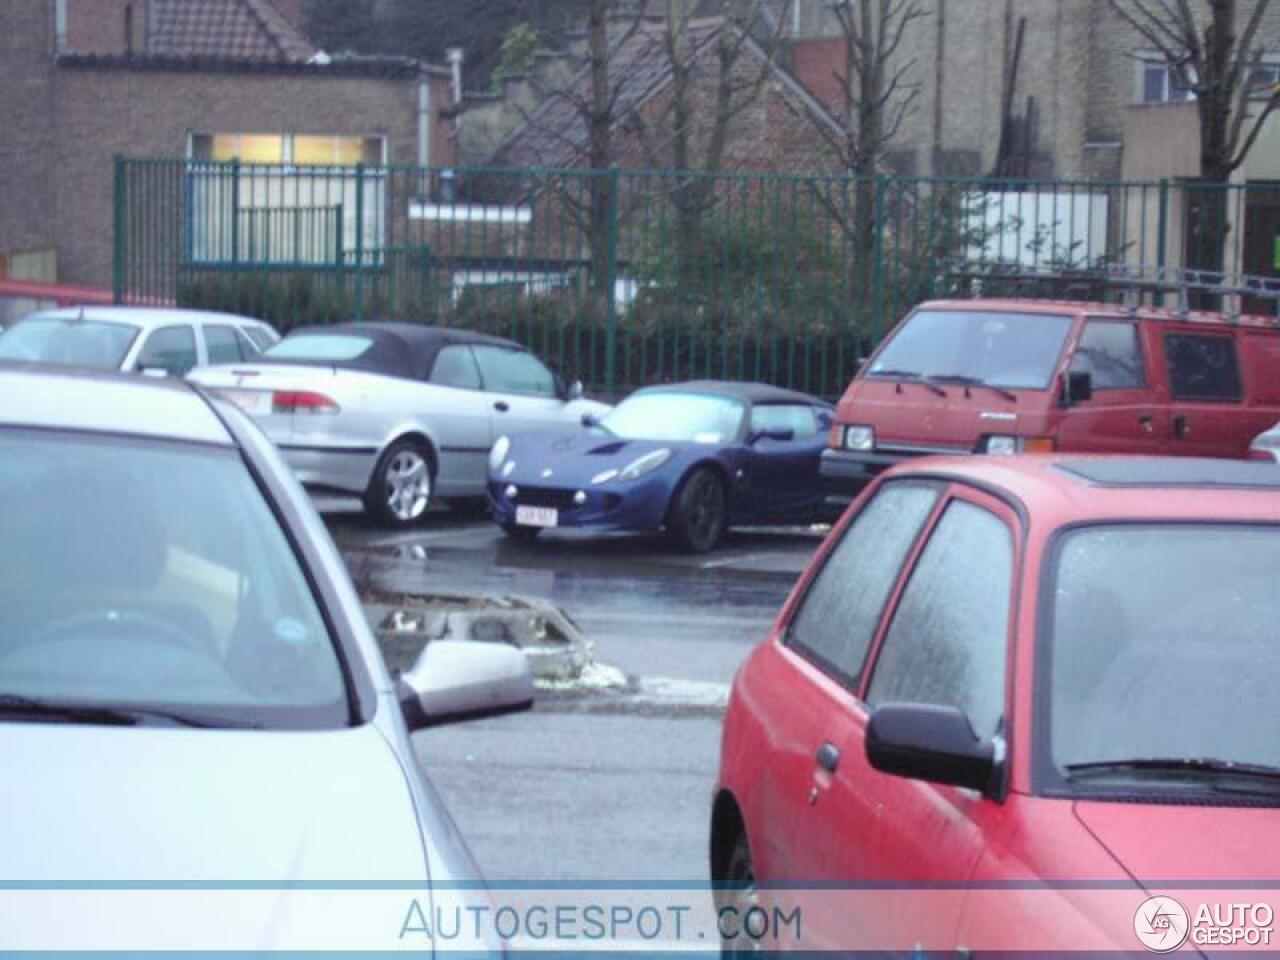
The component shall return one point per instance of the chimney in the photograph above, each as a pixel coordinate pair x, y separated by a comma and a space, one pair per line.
454, 56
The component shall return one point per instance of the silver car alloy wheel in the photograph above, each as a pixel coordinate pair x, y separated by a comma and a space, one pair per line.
408, 485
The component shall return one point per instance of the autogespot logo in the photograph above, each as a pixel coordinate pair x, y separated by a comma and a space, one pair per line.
1161, 924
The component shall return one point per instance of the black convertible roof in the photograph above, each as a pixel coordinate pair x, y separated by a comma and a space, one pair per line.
758, 394
396, 349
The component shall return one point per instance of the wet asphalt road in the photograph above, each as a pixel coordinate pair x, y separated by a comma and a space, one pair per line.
593, 788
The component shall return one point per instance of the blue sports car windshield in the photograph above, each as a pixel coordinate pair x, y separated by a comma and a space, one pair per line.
677, 416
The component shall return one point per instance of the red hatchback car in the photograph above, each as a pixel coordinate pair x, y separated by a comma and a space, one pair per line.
1033, 675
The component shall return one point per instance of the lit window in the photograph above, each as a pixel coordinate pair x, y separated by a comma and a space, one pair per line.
248, 147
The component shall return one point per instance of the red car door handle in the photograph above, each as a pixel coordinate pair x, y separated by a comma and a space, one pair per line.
1180, 427
1147, 422
828, 757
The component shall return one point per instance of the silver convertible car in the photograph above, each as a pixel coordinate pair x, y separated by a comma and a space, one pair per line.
189, 691
396, 413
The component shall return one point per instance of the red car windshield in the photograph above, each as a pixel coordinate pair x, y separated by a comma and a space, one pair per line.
1164, 646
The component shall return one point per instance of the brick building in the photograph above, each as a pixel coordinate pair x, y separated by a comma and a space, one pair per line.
776, 131
82, 81
1081, 76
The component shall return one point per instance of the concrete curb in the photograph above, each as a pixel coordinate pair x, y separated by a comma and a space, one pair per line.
405, 623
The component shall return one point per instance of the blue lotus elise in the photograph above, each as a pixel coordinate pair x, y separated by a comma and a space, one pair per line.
691, 458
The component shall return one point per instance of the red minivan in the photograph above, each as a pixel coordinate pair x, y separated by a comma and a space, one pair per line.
1013, 376
1005, 686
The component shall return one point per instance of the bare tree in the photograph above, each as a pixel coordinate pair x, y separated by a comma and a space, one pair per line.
1206, 53
878, 95
592, 95
727, 48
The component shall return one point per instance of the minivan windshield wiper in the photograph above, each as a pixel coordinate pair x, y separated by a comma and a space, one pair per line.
16, 706
966, 381
911, 376
1194, 766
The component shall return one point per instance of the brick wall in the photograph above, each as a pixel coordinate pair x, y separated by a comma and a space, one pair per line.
26, 133
98, 26
104, 112
1077, 63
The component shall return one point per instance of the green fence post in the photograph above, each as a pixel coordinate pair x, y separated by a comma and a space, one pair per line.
610, 286
881, 184
1162, 236
235, 211
118, 231
359, 284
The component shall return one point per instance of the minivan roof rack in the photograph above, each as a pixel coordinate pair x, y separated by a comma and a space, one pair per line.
1133, 281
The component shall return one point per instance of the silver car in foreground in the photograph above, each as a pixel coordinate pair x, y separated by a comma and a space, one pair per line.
151, 340
189, 692
397, 413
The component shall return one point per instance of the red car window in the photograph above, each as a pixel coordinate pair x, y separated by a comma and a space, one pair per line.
839, 614
948, 642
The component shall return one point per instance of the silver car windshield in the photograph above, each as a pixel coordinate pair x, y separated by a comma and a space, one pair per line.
1010, 350
1163, 647
68, 342
676, 416
153, 578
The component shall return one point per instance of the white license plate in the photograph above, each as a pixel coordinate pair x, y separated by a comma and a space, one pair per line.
250, 401
537, 516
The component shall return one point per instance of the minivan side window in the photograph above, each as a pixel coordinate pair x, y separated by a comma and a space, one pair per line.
839, 614
1202, 366
1110, 353
948, 640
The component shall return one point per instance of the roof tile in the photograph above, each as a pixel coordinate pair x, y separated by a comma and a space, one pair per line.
251, 30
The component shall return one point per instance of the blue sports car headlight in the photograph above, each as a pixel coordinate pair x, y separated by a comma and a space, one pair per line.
647, 464
499, 451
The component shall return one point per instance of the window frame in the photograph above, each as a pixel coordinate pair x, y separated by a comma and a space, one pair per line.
1145, 382
146, 342
854, 684
484, 381
1014, 516
1230, 338
812, 410
479, 387
1151, 60
1044, 778
236, 337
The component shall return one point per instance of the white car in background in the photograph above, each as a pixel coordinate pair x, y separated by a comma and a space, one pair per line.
398, 413
152, 340
1266, 446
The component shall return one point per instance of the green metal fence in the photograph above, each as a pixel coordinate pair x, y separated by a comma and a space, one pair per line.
624, 277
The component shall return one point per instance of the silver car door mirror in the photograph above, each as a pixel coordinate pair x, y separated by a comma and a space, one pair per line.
455, 680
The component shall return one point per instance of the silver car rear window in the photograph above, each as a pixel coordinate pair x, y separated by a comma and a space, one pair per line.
320, 346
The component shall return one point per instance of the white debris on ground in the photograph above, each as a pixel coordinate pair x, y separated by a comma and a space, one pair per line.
594, 676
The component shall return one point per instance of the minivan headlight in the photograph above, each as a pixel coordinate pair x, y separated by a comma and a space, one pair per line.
1002, 445
498, 452
647, 464
859, 438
